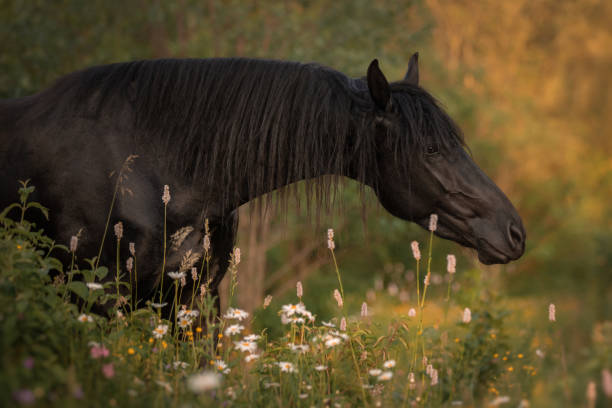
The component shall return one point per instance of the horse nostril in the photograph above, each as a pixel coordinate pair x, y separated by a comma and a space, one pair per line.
515, 235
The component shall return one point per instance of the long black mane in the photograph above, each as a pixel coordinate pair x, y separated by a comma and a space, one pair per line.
215, 121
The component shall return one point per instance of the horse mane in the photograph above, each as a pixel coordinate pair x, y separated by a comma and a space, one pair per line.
267, 123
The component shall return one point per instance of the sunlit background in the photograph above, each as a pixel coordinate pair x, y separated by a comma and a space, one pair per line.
528, 81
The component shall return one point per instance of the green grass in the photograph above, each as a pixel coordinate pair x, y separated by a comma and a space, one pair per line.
57, 353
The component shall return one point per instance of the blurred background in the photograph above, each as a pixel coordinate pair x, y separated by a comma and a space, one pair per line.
528, 81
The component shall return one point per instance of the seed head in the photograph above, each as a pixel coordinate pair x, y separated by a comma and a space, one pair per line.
343, 324
606, 382
426, 280
591, 393
194, 274
299, 290
206, 244
129, 264
166, 194
236, 255
451, 264
119, 230
183, 281
467, 315
552, 312
433, 222
338, 298
330, 233
74, 242
267, 301
415, 250
331, 244
132, 249
364, 309
434, 376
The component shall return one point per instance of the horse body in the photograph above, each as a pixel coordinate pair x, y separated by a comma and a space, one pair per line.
222, 132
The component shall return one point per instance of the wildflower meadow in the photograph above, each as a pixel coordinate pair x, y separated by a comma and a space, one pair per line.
455, 343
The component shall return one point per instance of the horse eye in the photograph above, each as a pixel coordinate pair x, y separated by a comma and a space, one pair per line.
432, 149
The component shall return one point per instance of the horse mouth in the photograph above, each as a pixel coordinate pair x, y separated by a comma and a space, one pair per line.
457, 230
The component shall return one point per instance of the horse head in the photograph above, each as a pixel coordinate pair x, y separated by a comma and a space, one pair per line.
423, 168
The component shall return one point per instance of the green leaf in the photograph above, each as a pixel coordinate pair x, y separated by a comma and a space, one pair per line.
4, 212
101, 272
80, 289
42, 209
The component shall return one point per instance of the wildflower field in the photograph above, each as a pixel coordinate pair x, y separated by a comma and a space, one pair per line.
457, 343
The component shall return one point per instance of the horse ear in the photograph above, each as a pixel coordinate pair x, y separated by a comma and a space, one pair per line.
412, 75
379, 87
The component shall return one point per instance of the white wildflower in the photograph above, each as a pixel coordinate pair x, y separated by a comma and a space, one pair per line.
364, 309
451, 264
74, 242
94, 286
389, 364
375, 372
166, 195
160, 331
416, 253
233, 329
332, 342
83, 318
286, 367
299, 289
251, 357
204, 381
433, 222
386, 376
245, 345
237, 314
552, 312
176, 275
467, 315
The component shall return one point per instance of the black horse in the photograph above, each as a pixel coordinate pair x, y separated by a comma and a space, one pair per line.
222, 132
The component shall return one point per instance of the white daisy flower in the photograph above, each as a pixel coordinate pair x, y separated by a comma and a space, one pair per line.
252, 337
328, 324
160, 331
332, 342
290, 309
204, 381
386, 376
321, 368
184, 323
188, 313
177, 275
179, 364
234, 329
389, 364
221, 366
375, 372
94, 286
309, 316
300, 348
286, 366
83, 318
297, 320
251, 357
237, 314
158, 305
245, 345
